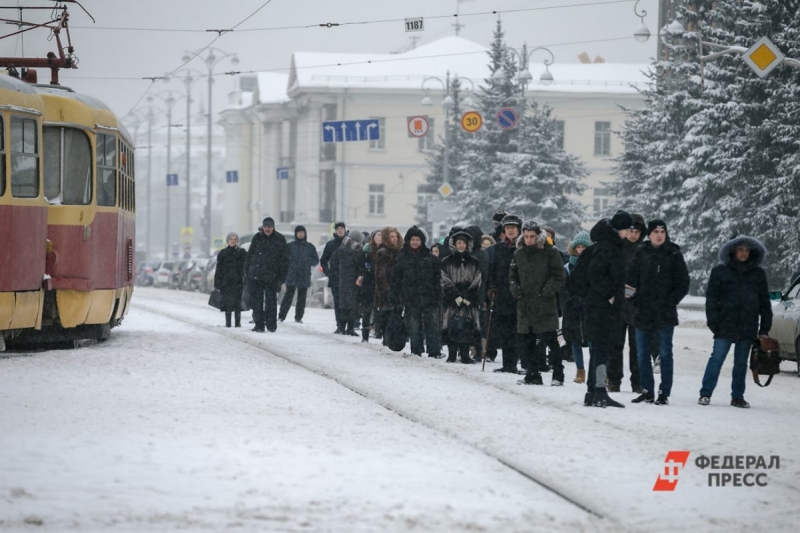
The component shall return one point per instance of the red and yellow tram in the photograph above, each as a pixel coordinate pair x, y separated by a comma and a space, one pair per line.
67, 215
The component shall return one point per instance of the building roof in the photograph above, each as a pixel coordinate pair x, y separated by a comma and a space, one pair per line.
272, 88
322, 70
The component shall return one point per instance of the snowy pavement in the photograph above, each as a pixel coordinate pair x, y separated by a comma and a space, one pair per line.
177, 423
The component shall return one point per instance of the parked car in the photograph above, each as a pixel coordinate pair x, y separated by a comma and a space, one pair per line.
145, 273
197, 276
179, 277
786, 321
211, 270
163, 273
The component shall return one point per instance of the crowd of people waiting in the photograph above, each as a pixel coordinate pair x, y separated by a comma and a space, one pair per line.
514, 292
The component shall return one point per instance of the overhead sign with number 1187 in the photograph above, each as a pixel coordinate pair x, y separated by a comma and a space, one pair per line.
415, 24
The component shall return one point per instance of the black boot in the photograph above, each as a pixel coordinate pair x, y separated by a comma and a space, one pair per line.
602, 399
588, 400
237, 317
227, 319
452, 354
365, 335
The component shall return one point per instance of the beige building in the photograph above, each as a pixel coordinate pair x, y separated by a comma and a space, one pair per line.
274, 132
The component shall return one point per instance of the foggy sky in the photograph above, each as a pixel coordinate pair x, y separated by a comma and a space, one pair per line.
113, 62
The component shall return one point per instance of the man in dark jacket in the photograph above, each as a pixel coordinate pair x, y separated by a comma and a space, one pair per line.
504, 321
265, 267
603, 303
347, 266
657, 281
302, 258
616, 362
339, 231
738, 310
416, 285
537, 273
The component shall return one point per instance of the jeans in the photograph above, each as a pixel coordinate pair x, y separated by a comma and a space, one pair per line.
644, 343
300, 306
598, 361
741, 351
424, 321
577, 354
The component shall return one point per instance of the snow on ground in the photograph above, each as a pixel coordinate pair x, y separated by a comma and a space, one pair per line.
177, 423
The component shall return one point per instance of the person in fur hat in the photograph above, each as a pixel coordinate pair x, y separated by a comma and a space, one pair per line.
537, 273
461, 292
738, 310
385, 259
416, 286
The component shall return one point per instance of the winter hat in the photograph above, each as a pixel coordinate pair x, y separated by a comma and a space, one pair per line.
300, 228
356, 236
268, 223
622, 220
424, 235
638, 222
339, 225
654, 224
512, 220
231, 234
487, 238
531, 226
581, 239
499, 216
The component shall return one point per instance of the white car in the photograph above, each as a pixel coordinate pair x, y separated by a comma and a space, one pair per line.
163, 273
786, 322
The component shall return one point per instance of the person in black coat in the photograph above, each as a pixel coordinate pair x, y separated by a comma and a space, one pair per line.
302, 258
265, 268
461, 291
339, 231
657, 281
229, 279
416, 286
366, 289
738, 310
347, 266
602, 306
483, 264
504, 319
571, 323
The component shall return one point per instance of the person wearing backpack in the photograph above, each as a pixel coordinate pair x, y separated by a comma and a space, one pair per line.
602, 269
571, 326
738, 310
657, 281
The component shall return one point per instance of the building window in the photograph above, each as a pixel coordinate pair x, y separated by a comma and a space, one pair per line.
24, 158
428, 142
379, 144
559, 125
601, 201
602, 138
376, 200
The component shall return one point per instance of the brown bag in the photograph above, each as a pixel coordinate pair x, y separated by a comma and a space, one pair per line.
765, 359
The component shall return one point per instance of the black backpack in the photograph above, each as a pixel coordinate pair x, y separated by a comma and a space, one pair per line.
578, 281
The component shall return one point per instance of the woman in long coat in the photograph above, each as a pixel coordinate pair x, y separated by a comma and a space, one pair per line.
461, 294
229, 279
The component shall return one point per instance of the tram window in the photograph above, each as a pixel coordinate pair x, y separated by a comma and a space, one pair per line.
52, 164
106, 170
24, 158
2, 157
77, 168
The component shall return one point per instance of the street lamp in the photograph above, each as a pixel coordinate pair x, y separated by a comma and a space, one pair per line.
524, 77
210, 61
169, 101
641, 33
447, 103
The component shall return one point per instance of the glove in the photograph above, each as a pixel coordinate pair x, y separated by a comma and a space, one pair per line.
464, 302
491, 293
459, 300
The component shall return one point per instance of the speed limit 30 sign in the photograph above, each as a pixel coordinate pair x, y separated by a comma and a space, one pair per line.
471, 121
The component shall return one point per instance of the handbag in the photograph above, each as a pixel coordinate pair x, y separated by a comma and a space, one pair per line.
215, 299
460, 329
395, 335
765, 359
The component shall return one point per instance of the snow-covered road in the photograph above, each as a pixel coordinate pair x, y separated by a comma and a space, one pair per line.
176, 422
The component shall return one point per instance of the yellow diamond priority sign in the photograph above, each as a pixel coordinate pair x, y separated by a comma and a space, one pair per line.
763, 57
446, 190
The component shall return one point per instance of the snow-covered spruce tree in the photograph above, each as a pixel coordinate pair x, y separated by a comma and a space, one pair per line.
715, 150
523, 170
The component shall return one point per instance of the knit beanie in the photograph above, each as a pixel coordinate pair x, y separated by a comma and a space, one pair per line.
622, 220
581, 239
655, 224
